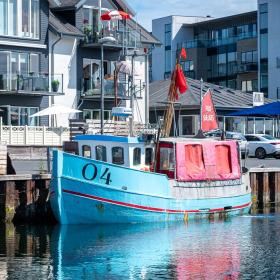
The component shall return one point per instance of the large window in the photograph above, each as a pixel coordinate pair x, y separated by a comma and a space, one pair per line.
20, 18
14, 67
19, 116
249, 57
249, 86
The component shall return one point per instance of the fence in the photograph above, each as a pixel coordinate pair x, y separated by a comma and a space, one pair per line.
118, 128
33, 135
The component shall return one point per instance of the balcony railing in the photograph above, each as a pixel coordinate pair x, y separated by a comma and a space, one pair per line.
91, 88
130, 38
32, 83
209, 43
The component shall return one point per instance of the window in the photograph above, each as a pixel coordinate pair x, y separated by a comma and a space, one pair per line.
101, 153
187, 125
247, 86
167, 34
167, 159
136, 156
223, 159
86, 151
20, 18
13, 64
251, 138
263, 9
89, 114
168, 61
118, 155
188, 65
21, 116
264, 45
249, 57
149, 154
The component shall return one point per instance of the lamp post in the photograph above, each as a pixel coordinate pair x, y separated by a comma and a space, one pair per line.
103, 41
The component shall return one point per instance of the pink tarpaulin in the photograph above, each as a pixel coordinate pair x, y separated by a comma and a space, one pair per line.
213, 160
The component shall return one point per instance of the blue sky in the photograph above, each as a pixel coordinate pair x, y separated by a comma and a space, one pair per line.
150, 9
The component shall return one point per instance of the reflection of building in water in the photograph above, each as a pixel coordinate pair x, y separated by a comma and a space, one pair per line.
21, 248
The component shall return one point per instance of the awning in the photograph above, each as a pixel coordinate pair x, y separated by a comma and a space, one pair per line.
268, 110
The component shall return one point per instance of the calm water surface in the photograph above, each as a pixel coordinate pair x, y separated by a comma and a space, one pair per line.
241, 248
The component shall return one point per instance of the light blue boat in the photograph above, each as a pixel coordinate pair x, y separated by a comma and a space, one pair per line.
112, 180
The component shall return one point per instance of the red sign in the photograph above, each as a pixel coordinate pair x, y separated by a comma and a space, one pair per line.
208, 112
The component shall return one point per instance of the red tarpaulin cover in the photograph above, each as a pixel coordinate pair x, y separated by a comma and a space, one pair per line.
213, 160
208, 112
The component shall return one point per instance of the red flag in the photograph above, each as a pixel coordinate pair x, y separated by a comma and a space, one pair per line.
183, 54
181, 83
208, 112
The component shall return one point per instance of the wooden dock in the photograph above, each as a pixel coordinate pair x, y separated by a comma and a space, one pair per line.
265, 184
25, 198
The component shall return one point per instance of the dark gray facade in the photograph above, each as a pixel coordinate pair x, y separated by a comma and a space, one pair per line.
24, 76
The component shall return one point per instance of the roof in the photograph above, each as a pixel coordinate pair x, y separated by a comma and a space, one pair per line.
65, 28
107, 138
223, 98
73, 4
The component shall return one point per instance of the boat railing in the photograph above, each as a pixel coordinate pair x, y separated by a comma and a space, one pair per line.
119, 128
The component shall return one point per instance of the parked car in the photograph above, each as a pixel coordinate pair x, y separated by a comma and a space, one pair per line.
263, 145
239, 137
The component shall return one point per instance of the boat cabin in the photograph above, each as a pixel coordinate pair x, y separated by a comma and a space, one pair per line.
132, 152
182, 159
191, 159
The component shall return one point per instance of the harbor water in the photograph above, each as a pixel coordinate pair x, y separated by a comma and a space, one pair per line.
246, 247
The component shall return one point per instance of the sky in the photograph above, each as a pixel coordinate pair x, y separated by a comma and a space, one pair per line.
149, 9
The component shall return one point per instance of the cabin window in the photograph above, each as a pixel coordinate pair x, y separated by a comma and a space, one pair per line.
149, 153
86, 151
136, 156
167, 159
101, 153
223, 159
117, 155
194, 160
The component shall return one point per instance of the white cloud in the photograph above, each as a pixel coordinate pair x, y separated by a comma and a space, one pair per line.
151, 9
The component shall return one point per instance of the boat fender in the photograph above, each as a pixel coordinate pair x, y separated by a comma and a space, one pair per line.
145, 168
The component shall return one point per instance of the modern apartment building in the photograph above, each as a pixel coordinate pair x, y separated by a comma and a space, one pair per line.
269, 46
222, 51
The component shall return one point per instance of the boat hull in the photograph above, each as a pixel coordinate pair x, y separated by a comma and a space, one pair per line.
133, 196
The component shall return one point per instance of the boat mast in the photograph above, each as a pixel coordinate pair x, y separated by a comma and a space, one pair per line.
169, 112
201, 97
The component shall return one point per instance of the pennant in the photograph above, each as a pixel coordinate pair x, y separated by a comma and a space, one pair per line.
208, 112
181, 83
183, 54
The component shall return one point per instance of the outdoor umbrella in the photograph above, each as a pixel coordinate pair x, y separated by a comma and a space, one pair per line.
115, 15
55, 109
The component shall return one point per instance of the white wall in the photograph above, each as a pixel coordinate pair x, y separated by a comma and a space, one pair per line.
158, 54
139, 104
65, 62
273, 46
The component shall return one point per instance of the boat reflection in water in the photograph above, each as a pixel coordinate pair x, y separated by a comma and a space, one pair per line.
175, 251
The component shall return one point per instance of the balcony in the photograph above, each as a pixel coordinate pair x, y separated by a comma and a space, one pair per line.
32, 84
210, 43
91, 89
130, 39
